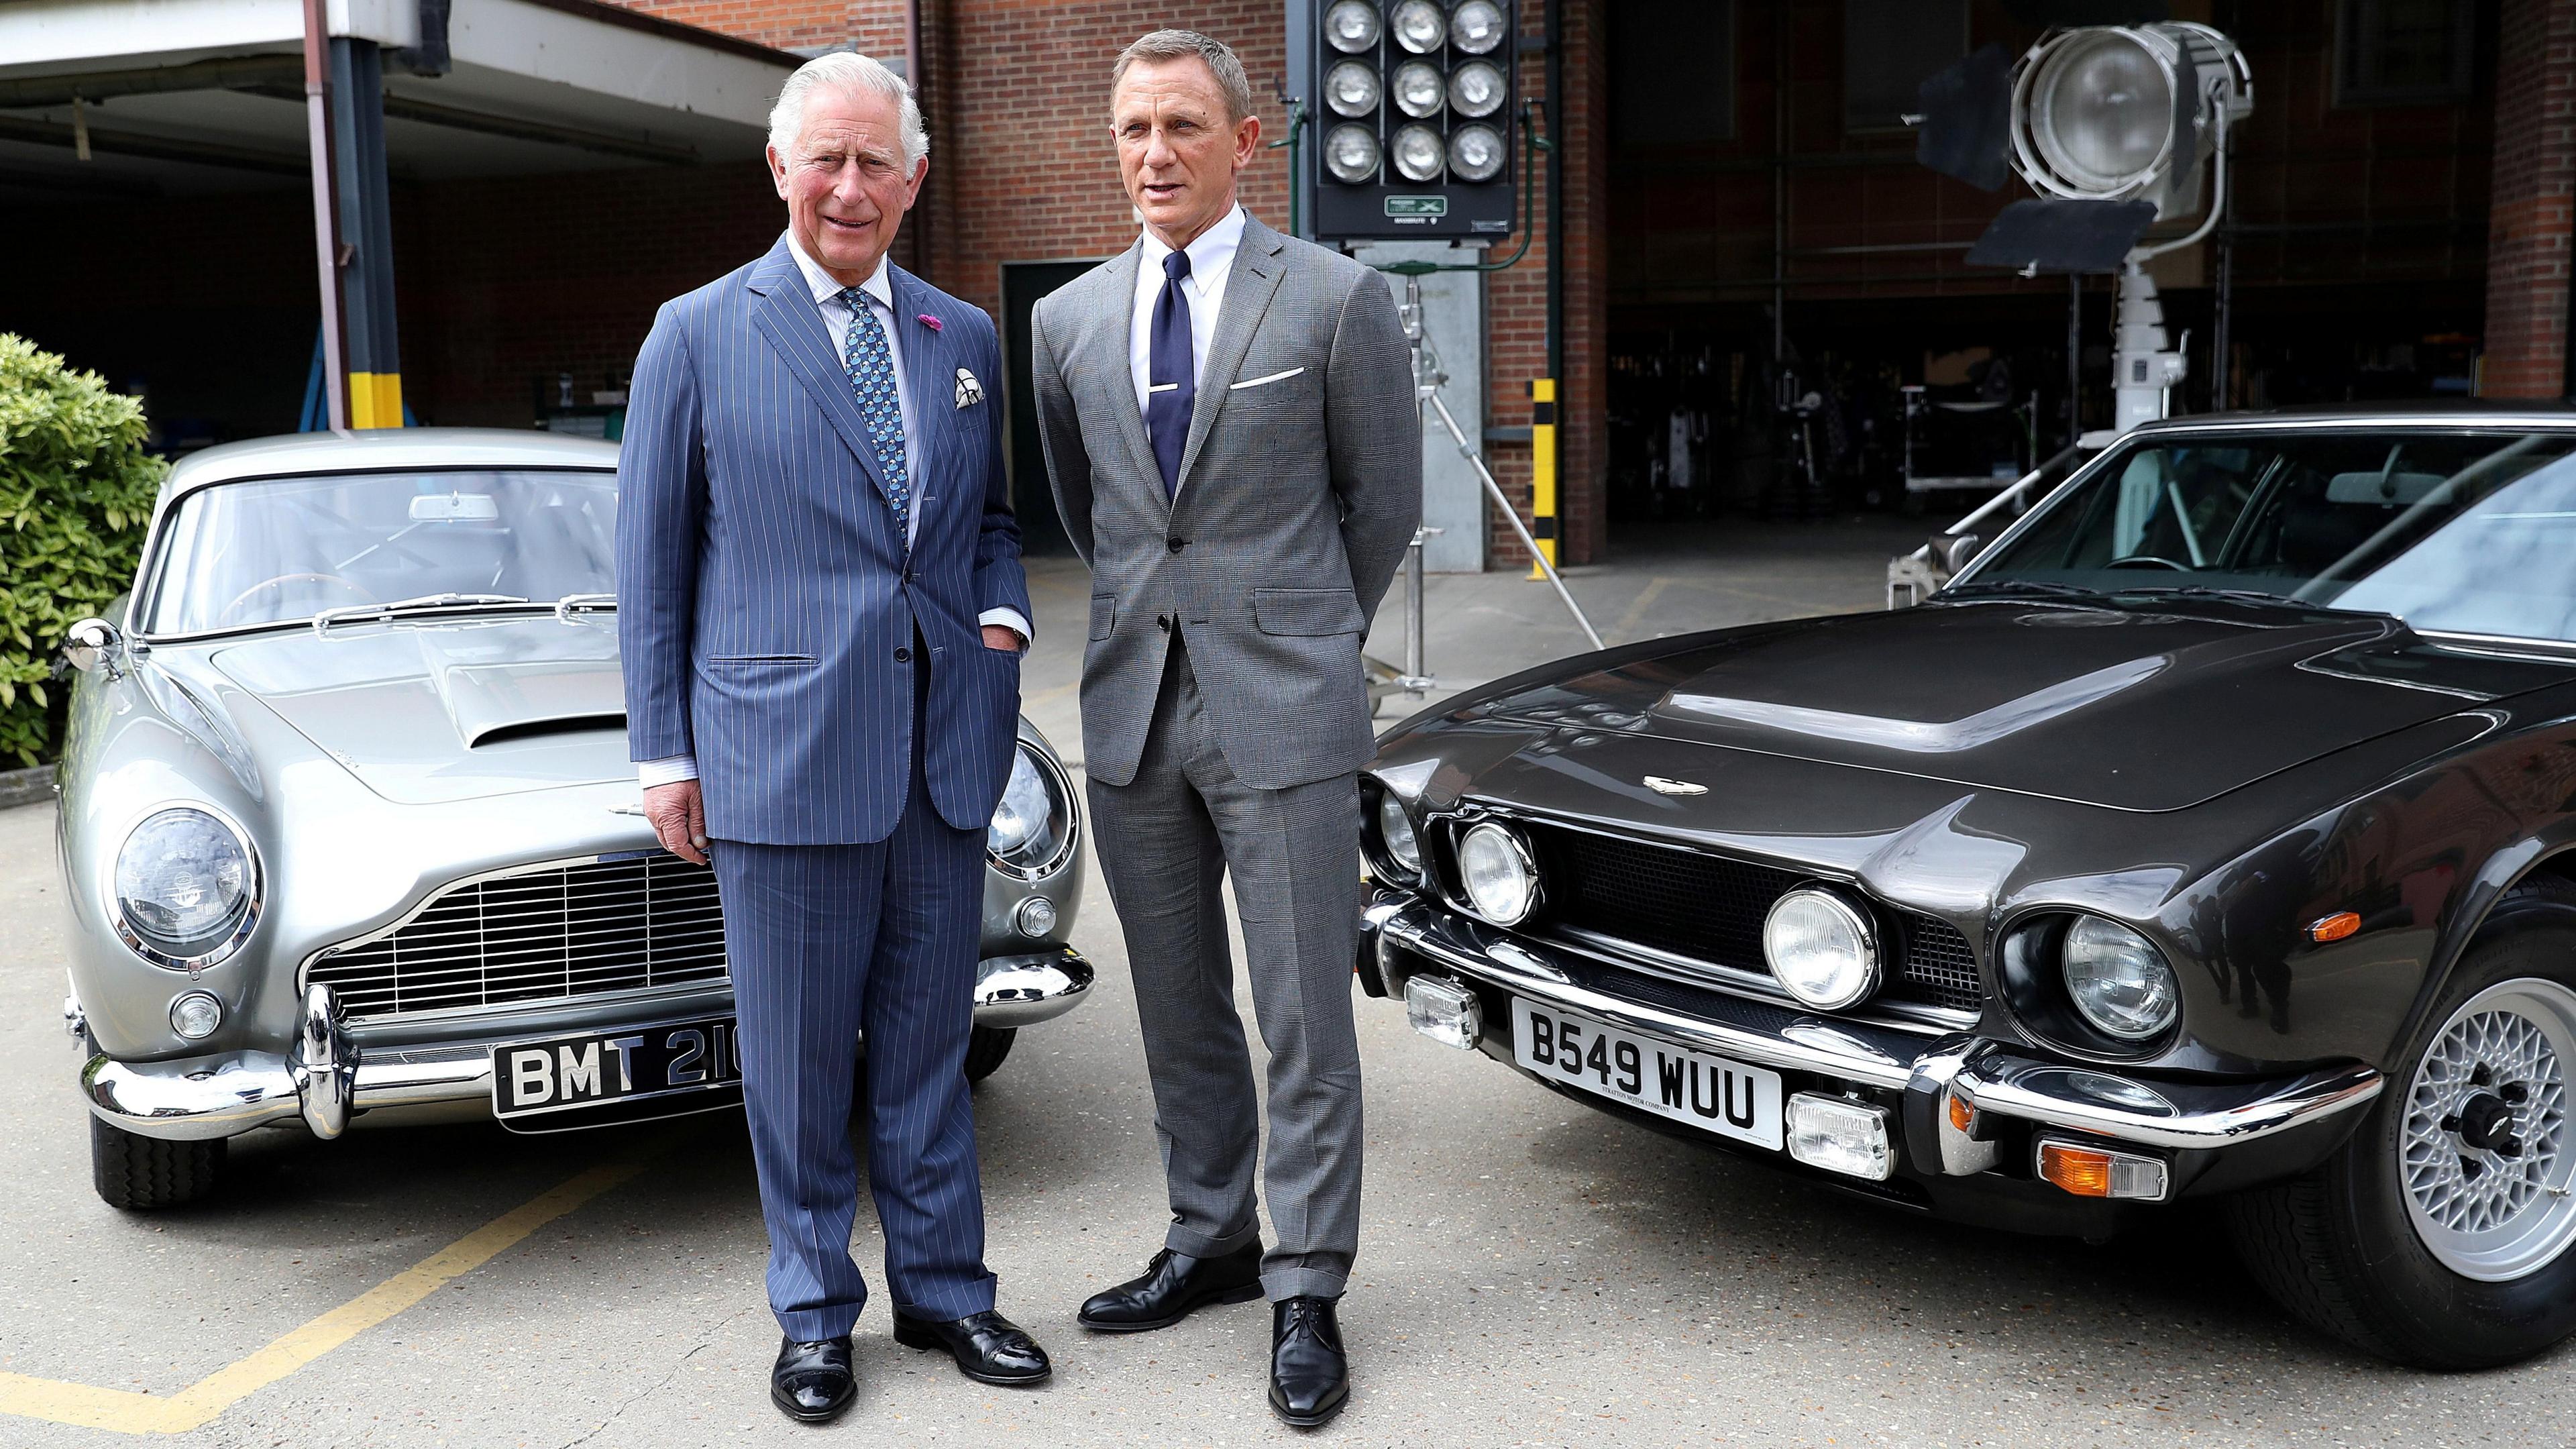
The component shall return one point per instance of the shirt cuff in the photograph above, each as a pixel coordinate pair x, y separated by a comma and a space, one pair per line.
670, 770
1010, 619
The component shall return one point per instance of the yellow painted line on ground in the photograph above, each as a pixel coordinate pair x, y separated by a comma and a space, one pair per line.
1626, 629
129, 1412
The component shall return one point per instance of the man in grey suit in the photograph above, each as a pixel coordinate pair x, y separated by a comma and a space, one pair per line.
820, 610
1229, 423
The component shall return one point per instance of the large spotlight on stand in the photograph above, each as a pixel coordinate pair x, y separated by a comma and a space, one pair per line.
2103, 116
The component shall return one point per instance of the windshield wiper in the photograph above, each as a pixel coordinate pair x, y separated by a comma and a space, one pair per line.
573, 604
2255, 597
424, 603
2019, 589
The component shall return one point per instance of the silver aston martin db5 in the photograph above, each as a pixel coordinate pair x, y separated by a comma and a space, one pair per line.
348, 828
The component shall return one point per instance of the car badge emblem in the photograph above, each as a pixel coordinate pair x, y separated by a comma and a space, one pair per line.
1662, 786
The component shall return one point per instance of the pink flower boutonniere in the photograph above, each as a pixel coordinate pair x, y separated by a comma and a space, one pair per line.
929, 321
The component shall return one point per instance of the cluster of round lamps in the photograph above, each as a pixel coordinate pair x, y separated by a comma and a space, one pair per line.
1473, 90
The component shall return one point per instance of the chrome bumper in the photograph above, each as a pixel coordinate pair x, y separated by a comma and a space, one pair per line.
324, 1079
1989, 1076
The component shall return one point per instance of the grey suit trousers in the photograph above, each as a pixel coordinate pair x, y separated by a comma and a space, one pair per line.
1165, 841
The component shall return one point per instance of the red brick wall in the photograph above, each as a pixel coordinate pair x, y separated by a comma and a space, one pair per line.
2535, 189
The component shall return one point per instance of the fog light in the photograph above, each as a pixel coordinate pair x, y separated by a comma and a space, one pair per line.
1035, 917
1840, 1135
2093, 1172
1444, 1011
195, 1015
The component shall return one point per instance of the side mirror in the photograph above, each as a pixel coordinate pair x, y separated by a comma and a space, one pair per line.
93, 643
1953, 550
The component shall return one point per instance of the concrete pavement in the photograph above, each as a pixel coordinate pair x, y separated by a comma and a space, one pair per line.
1533, 1274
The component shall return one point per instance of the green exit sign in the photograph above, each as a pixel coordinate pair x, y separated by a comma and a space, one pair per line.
1417, 206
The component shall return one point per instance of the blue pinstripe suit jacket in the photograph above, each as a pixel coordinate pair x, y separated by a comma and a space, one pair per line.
763, 593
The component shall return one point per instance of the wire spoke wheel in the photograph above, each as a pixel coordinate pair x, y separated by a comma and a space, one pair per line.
2483, 1151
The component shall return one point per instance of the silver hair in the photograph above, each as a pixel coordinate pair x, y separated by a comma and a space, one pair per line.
846, 70
1174, 44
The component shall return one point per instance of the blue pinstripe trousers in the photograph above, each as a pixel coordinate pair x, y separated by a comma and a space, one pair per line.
825, 940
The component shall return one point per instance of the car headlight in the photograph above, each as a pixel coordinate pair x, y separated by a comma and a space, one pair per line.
1822, 948
1395, 830
1351, 89
1351, 26
1417, 153
1501, 881
1418, 89
1476, 153
1419, 26
1476, 27
2118, 980
1033, 826
1350, 152
187, 887
1476, 89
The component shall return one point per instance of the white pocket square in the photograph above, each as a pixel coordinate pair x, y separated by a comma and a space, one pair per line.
1273, 377
969, 391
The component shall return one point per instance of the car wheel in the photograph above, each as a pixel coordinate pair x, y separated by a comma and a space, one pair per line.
986, 1048
2438, 1235
141, 1174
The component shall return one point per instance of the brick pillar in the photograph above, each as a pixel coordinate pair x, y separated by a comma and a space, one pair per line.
2528, 235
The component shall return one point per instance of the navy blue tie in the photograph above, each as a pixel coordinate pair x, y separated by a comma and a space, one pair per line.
1170, 368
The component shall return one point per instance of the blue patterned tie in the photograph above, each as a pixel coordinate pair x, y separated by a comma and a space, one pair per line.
871, 367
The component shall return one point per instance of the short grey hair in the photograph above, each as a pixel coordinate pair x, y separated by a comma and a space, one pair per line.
846, 70
1173, 45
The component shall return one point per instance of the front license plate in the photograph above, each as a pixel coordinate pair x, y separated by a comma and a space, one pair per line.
561, 1073
1710, 1093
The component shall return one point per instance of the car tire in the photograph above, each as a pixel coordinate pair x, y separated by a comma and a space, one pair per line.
144, 1174
2349, 1246
986, 1048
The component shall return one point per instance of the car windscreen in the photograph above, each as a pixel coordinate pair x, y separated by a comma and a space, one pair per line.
278, 550
2470, 532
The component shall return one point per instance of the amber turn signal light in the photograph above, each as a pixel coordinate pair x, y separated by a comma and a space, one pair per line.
1962, 1116
2334, 927
2091, 1172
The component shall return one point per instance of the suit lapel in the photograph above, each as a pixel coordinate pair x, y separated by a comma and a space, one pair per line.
786, 316
1119, 312
930, 375
1248, 290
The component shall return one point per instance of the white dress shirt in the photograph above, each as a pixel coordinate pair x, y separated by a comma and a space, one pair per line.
1211, 262
838, 319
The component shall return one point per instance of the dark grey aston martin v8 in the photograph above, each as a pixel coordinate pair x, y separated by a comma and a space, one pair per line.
2212, 835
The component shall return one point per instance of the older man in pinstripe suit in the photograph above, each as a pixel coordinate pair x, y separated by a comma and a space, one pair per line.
821, 611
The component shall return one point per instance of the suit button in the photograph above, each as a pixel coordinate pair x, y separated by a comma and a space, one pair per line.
903, 656
1163, 622
1177, 544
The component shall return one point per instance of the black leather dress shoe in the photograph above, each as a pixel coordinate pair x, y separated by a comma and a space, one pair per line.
1310, 1377
812, 1382
1174, 1285
988, 1347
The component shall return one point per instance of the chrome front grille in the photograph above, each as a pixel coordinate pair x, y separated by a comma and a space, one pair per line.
1710, 908
554, 933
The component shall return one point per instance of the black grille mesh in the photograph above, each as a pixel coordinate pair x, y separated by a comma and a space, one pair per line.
1710, 908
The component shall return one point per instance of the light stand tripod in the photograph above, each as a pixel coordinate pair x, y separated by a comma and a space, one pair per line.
1427, 379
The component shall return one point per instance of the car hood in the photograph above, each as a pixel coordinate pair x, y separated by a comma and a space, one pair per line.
431, 712
2134, 709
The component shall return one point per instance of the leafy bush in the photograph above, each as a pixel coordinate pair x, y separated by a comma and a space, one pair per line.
76, 489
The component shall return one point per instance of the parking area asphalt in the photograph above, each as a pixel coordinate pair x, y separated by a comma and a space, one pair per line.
1531, 1273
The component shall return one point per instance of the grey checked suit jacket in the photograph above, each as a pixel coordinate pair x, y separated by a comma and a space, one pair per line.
1301, 486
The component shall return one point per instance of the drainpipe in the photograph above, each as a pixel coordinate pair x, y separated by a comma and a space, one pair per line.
919, 221
326, 208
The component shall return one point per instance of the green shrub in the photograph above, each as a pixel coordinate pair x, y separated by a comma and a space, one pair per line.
75, 492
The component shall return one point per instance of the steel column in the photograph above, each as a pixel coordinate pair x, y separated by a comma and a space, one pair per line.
374, 360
